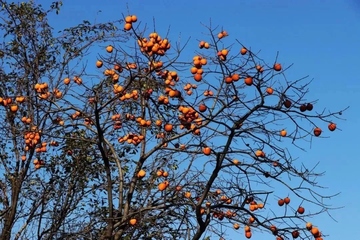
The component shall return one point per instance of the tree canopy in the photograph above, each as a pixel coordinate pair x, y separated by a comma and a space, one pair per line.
142, 143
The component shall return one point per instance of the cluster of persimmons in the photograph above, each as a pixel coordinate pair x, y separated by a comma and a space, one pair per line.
154, 45
189, 117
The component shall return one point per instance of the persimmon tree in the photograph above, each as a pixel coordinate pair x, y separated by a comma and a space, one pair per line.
35, 205
142, 143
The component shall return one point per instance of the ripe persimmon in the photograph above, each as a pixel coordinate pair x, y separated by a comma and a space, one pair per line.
224, 198
202, 107
201, 44
287, 200
273, 229
193, 70
37, 166
158, 122
187, 194
277, 67
118, 67
222, 57
224, 52
109, 49
132, 221
133, 18
309, 226
128, 19
66, 81
317, 131
281, 202
228, 80
203, 61
253, 207
127, 26
197, 77
165, 174
332, 126
309, 107
301, 210
20, 99
287, 103
236, 162
243, 51
302, 108
259, 68
283, 133
162, 186
200, 71
248, 81
99, 63
295, 234
236, 226
259, 153
314, 231
14, 108
269, 90
141, 173
159, 172
172, 93
168, 127
235, 77
206, 150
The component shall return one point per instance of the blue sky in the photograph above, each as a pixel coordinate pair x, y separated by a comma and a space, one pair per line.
320, 37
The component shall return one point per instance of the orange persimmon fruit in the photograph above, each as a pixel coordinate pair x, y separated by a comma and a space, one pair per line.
236, 226
202, 108
99, 63
301, 210
243, 51
132, 221
332, 126
109, 49
248, 81
206, 150
283, 133
127, 26
162, 186
141, 173
277, 67
197, 77
168, 127
269, 90
317, 131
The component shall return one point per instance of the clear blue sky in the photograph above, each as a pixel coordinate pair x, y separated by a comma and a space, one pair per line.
320, 37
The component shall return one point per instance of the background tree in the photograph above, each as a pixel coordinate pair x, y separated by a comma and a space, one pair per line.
151, 145
33, 59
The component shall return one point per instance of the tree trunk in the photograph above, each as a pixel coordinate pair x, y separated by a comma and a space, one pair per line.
9, 217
